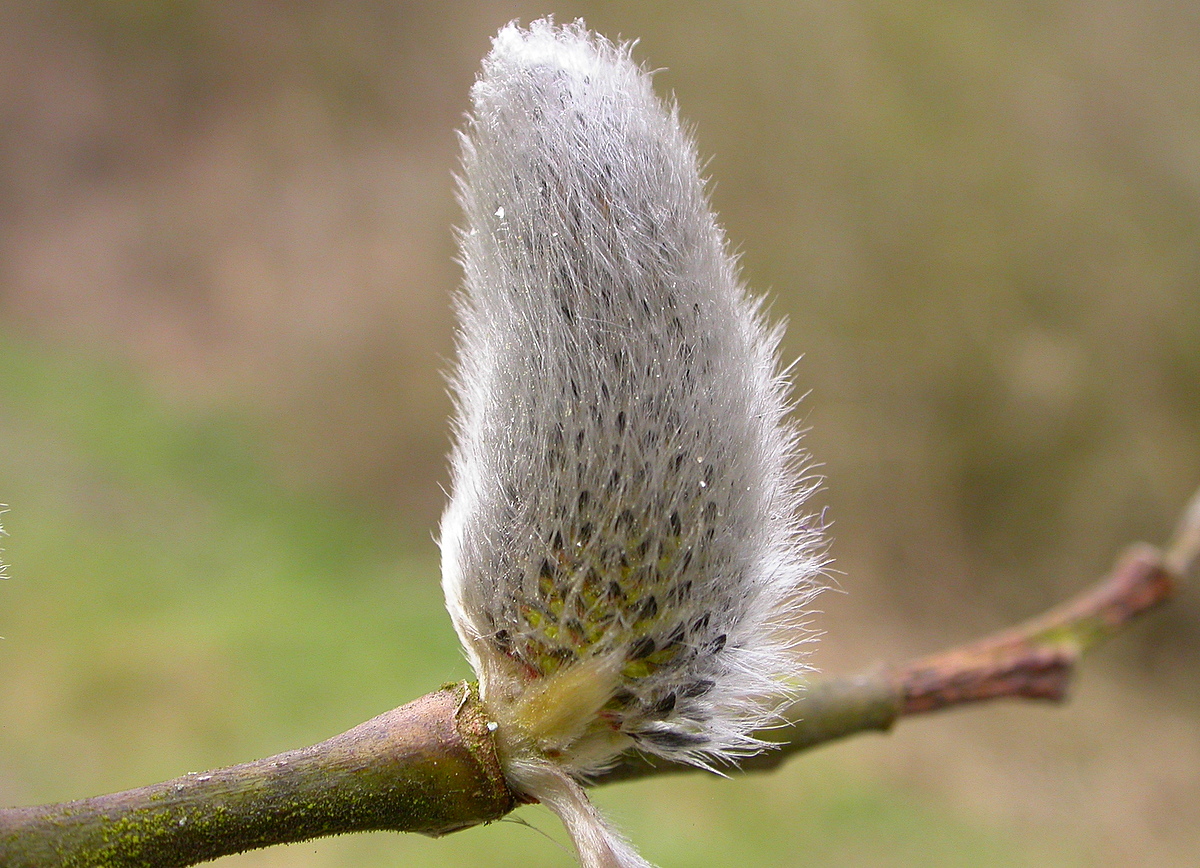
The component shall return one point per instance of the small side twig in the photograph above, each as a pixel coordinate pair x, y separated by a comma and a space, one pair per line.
1037, 659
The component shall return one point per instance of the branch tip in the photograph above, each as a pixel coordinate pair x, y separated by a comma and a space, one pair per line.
1184, 549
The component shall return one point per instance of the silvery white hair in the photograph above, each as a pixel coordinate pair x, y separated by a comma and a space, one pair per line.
624, 554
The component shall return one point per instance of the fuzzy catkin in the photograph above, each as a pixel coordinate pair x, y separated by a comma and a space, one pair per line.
624, 555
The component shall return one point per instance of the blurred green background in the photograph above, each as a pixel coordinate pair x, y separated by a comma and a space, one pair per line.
225, 269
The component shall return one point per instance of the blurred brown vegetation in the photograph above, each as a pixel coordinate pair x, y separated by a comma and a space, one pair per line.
982, 222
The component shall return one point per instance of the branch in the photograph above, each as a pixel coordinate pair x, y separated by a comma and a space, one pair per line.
431, 766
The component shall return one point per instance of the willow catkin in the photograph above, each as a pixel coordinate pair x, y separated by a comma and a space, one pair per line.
624, 555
